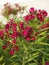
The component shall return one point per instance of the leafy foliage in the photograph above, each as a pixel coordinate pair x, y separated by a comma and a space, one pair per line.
25, 42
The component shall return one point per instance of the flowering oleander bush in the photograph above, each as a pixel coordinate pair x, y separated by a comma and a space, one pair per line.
24, 41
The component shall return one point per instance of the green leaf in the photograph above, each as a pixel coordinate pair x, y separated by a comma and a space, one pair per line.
42, 33
33, 64
3, 64
40, 39
1, 58
32, 57
43, 61
13, 56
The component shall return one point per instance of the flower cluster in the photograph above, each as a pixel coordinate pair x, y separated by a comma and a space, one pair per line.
40, 14
32, 30
10, 30
9, 9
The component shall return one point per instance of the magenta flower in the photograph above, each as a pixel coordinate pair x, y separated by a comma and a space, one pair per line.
25, 33
14, 29
42, 19
21, 25
16, 48
4, 47
14, 25
39, 16
32, 17
46, 63
47, 36
27, 38
2, 37
29, 28
11, 52
15, 35
6, 30
7, 26
1, 33
33, 38
27, 17
39, 11
44, 13
31, 10
14, 41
